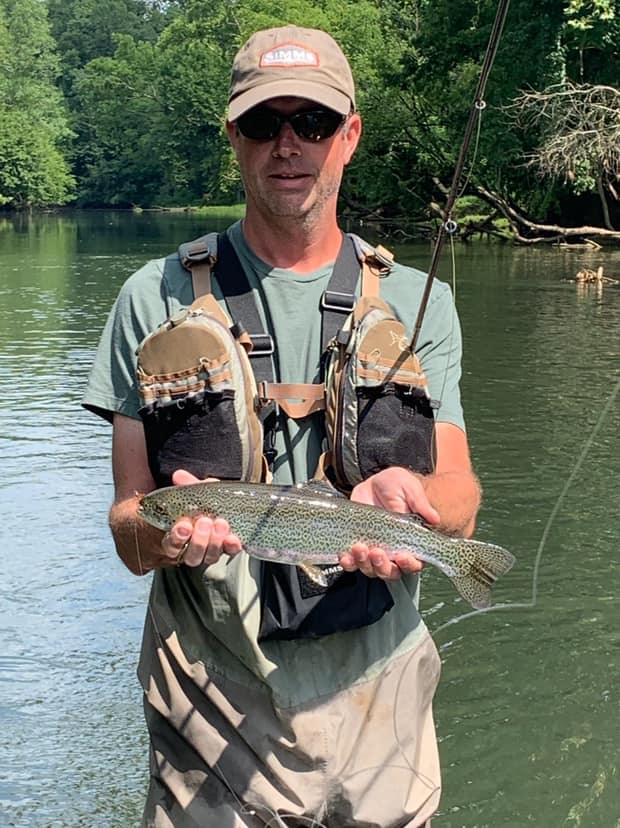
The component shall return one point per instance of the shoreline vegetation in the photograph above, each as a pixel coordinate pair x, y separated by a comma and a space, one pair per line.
117, 104
473, 223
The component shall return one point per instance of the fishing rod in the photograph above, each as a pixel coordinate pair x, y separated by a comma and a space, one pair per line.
448, 224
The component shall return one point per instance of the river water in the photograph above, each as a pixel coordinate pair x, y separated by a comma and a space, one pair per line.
528, 709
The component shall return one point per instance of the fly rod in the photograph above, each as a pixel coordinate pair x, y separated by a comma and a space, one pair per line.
448, 225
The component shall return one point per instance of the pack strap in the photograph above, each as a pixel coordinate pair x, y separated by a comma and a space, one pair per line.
310, 396
243, 309
338, 299
375, 265
199, 257
296, 399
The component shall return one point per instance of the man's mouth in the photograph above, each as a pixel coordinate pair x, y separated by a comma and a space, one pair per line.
285, 176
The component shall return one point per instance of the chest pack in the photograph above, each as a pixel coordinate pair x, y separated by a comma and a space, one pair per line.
208, 380
211, 399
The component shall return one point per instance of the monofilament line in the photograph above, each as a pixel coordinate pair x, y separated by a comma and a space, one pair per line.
554, 513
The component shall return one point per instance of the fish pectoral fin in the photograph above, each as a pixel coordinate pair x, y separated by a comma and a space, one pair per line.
315, 574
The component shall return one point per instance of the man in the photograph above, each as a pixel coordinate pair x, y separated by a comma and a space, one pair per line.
337, 729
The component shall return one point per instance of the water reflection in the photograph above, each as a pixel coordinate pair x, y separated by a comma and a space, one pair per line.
527, 710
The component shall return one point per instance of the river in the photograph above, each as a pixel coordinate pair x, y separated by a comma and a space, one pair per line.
528, 709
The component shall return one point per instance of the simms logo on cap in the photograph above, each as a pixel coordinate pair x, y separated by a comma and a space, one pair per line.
289, 54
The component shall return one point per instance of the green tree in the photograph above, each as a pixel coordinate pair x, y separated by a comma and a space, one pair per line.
592, 37
86, 29
445, 44
152, 116
33, 123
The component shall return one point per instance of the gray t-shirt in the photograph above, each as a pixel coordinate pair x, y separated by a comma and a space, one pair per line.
215, 612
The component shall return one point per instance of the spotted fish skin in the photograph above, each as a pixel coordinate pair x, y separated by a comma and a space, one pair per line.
312, 524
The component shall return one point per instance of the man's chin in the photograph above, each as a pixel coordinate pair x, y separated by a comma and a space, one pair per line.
289, 207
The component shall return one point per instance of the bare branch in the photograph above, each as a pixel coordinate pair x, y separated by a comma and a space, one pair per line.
580, 132
524, 229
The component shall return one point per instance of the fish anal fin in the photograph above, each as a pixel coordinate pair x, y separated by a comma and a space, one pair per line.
315, 574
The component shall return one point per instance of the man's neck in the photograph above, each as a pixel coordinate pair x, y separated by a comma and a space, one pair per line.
293, 245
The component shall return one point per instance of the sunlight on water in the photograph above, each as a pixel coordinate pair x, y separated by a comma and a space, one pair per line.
527, 710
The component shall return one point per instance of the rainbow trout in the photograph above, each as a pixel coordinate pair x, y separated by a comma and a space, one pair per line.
312, 524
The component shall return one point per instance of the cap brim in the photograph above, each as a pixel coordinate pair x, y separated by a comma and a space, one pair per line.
317, 92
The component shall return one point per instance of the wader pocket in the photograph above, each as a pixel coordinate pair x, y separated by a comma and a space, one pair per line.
292, 607
395, 428
199, 434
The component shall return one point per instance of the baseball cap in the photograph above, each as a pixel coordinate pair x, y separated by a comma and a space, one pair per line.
290, 60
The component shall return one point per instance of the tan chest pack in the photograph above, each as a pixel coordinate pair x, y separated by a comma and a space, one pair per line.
208, 380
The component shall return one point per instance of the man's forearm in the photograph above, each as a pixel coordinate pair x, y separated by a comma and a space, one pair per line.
456, 495
135, 540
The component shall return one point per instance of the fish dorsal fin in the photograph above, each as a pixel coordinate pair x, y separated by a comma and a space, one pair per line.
318, 487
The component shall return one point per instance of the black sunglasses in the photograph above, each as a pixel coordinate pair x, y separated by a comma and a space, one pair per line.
263, 124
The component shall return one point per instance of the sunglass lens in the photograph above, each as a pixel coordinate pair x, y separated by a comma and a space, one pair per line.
316, 125
259, 124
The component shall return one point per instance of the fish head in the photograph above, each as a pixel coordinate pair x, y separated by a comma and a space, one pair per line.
155, 509
163, 507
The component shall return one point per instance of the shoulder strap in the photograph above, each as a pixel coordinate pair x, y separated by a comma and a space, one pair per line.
239, 297
339, 297
376, 264
199, 257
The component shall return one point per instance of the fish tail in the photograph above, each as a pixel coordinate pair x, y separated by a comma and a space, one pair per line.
482, 565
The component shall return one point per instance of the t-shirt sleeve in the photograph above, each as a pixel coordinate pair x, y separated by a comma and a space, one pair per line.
440, 351
139, 308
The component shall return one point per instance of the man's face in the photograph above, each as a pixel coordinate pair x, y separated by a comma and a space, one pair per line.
289, 176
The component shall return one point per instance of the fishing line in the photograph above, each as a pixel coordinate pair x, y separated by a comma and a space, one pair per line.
531, 604
477, 107
481, 106
243, 808
450, 339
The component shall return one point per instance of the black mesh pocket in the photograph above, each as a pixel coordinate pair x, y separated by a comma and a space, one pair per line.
289, 610
199, 434
395, 428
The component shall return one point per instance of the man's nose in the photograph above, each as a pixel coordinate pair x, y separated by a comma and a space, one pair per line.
286, 142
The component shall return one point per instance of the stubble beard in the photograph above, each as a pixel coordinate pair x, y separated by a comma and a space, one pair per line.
306, 213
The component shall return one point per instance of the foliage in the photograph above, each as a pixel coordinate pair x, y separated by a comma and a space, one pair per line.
145, 83
33, 125
592, 32
86, 29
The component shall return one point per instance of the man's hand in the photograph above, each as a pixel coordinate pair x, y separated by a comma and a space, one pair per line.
198, 542
398, 490
141, 546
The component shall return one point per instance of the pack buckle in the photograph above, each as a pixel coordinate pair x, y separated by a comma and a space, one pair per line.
334, 300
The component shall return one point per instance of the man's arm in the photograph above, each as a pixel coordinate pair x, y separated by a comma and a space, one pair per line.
448, 499
141, 546
453, 489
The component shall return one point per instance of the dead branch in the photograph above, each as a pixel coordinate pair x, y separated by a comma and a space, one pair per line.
545, 233
579, 127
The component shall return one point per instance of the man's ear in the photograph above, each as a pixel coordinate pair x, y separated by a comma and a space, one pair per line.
232, 132
352, 132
